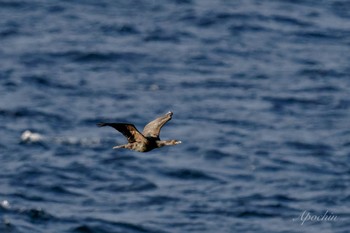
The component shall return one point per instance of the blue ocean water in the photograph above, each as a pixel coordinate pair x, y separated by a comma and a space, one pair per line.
260, 95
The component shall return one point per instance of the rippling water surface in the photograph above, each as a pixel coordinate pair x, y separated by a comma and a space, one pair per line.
260, 95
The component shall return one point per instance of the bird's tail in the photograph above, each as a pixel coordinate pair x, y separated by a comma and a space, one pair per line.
101, 124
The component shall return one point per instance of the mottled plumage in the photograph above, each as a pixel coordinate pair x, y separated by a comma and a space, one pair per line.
148, 139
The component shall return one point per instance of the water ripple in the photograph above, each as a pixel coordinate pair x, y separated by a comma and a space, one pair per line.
259, 91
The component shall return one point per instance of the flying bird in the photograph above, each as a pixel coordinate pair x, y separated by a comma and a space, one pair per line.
148, 139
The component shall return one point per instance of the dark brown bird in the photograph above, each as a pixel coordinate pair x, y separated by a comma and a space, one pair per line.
148, 139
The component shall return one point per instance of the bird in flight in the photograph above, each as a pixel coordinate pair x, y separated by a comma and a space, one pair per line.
148, 139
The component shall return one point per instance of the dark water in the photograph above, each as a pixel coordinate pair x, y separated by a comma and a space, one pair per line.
260, 95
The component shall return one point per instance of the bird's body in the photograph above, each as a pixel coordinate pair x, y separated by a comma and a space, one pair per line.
148, 139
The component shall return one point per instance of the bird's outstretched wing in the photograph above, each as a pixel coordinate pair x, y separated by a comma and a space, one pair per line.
128, 130
153, 128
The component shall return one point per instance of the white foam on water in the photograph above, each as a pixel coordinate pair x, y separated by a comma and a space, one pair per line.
29, 136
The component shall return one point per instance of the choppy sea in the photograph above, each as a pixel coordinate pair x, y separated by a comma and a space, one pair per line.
260, 92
